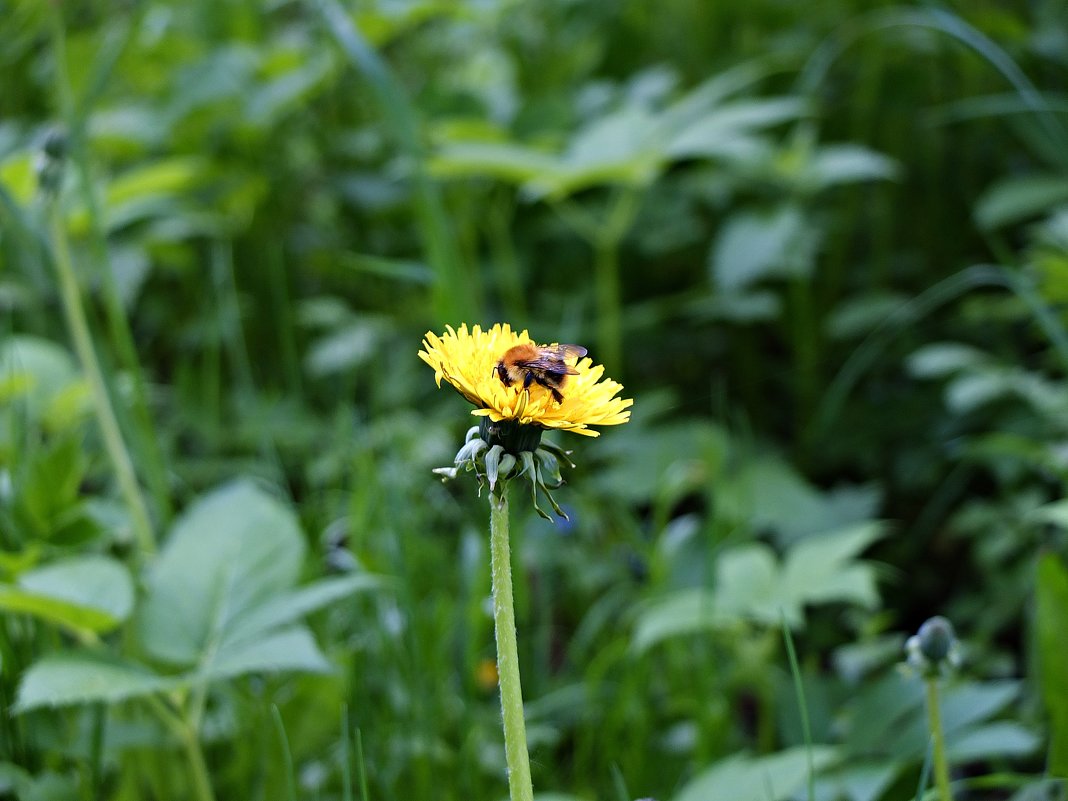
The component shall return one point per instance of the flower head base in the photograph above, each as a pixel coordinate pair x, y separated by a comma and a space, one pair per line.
468, 360
493, 464
514, 413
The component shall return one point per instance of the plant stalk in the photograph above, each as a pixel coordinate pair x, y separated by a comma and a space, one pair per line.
105, 412
199, 770
938, 741
187, 735
515, 733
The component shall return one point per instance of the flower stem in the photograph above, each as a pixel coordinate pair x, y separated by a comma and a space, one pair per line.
515, 733
105, 412
938, 742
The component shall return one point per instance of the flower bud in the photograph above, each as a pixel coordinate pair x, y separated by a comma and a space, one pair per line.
934, 648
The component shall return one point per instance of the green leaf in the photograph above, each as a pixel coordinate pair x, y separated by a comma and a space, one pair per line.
744, 778
729, 130
47, 786
681, 613
753, 246
834, 165
289, 607
343, 350
1001, 739
942, 359
80, 678
613, 139
1016, 199
965, 707
288, 649
1055, 513
510, 163
858, 780
92, 592
1051, 610
821, 568
19, 176
752, 586
12, 777
34, 371
233, 551
747, 585
51, 484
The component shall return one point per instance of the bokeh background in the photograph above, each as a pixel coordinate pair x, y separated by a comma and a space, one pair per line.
823, 245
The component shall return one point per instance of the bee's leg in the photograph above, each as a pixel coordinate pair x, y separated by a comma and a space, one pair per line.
530, 379
546, 382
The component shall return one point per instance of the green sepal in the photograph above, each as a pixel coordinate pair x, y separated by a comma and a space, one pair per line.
506, 465
549, 469
493, 464
470, 451
531, 470
560, 453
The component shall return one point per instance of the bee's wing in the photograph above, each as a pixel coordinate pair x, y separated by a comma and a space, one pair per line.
551, 358
564, 352
570, 351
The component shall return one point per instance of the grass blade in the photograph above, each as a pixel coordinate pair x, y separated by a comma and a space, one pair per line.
802, 705
400, 116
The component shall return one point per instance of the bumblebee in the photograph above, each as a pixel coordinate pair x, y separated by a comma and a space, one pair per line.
545, 365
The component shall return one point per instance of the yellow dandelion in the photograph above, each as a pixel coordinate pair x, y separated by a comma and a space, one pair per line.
468, 361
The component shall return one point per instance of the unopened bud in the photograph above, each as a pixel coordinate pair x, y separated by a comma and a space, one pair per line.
934, 648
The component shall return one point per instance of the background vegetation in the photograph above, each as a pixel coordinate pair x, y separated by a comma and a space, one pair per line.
824, 246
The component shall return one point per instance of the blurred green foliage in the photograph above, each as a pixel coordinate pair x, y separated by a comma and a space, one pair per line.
824, 246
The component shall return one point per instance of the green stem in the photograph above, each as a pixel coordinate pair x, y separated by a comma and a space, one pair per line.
105, 412
146, 440
199, 770
515, 733
938, 742
187, 736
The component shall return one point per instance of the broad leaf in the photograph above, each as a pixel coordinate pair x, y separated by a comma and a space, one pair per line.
941, 359
728, 130
35, 373
1003, 738
1055, 513
87, 677
289, 607
511, 163
288, 649
232, 552
744, 778
91, 592
822, 568
844, 164
858, 780
1016, 199
681, 613
748, 583
752, 587
753, 246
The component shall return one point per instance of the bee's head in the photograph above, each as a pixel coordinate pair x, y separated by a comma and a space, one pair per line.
502, 371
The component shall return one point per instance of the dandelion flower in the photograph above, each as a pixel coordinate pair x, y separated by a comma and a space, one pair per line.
468, 360
506, 445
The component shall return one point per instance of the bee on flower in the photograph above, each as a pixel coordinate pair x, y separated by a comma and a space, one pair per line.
521, 388
508, 376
